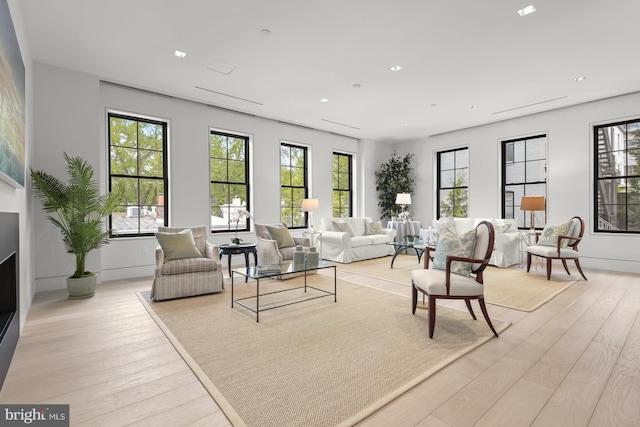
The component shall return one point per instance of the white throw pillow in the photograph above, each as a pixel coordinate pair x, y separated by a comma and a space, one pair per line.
178, 245
373, 227
344, 227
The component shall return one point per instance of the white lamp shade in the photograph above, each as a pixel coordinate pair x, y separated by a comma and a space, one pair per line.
310, 205
403, 199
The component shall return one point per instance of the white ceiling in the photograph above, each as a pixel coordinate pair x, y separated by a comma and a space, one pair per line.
454, 54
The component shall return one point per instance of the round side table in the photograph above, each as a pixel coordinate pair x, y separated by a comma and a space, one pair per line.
238, 249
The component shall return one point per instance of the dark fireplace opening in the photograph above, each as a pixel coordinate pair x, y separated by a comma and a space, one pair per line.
8, 293
9, 289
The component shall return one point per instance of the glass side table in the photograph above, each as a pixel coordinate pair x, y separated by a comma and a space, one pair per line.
315, 239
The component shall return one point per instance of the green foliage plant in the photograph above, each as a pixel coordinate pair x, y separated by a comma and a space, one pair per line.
76, 208
393, 177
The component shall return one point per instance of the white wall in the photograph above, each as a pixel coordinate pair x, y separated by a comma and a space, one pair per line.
569, 172
19, 199
71, 115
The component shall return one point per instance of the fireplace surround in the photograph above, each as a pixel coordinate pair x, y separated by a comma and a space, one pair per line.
9, 289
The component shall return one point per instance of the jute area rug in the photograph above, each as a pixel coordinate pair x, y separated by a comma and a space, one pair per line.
508, 287
317, 363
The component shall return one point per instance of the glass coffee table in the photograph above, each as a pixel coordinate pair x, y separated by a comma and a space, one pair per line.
417, 244
285, 269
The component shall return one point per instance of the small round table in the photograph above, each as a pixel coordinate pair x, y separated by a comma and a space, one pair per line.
237, 249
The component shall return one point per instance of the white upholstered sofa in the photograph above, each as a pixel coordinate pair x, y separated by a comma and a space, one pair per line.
506, 248
362, 239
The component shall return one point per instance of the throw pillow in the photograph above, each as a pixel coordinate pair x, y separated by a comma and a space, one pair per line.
462, 246
373, 227
178, 245
551, 232
344, 227
444, 224
282, 236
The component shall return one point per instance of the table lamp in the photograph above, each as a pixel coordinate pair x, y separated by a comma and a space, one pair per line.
310, 205
532, 204
403, 199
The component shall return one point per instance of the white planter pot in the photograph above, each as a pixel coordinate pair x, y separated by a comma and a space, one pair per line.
83, 287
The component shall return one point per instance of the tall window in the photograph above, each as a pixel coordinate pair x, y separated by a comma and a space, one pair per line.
453, 183
524, 173
617, 183
342, 183
293, 185
229, 181
137, 162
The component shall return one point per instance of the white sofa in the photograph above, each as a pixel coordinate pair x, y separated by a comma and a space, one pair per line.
340, 246
506, 248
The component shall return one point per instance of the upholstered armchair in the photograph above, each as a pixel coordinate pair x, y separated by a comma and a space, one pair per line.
463, 280
558, 242
278, 248
185, 265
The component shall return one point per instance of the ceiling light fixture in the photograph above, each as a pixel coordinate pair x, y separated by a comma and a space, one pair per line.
355, 86
179, 54
265, 32
396, 68
579, 79
472, 106
527, 10
324, 100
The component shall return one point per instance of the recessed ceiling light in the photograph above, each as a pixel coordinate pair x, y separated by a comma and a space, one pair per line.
179, 54
396, 68
472, 106
527, 10
324, 100
579, 79
404, 125
355, 86
265, 32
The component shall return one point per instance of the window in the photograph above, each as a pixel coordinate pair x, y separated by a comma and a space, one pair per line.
342, 183
229, 181
137, 162
617, 183
453, 183
524, 173
293, 185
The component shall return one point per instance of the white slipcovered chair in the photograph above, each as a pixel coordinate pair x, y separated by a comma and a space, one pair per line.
444, 284
183, 277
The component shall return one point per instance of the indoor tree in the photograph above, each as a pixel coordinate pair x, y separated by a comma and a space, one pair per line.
393, 177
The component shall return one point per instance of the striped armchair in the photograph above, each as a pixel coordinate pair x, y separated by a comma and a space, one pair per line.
188, 276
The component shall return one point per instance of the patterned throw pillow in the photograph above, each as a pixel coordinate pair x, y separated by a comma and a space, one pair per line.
551, 232
178, 245
343, 227
450, 244
373, 228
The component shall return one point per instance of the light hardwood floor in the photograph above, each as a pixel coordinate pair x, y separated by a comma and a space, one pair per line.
575, 361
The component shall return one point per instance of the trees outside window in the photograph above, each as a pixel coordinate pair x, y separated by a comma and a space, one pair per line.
342, 185
453, 183
229, 181
524, 173
137, 163
617, 172
293, 185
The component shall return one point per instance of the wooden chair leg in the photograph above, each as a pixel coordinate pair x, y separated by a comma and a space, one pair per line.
432, 315
468, 302
566, 268
580, 269
486, 315
548, 268
414, 298
528, 261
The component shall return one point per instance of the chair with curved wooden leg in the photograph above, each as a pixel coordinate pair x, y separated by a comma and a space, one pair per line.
445, 284
563, 247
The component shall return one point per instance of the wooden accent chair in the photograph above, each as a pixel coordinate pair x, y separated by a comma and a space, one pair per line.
565, 247
443, 284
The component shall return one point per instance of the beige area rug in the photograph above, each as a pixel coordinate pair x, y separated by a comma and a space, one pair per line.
508, 287
317, 363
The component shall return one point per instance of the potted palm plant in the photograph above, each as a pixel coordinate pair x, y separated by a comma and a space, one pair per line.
78, 210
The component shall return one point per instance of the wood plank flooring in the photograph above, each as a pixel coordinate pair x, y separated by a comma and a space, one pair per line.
575, 361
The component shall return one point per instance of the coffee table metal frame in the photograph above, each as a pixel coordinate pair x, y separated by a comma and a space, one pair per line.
286, 268
403, 245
